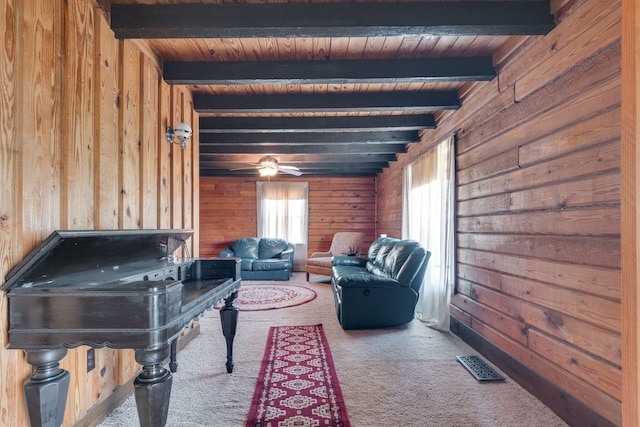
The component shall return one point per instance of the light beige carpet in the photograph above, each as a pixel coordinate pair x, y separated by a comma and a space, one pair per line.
404, 376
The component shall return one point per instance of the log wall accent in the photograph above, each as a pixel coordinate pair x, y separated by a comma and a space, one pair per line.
228, 210
82, 146
538, 205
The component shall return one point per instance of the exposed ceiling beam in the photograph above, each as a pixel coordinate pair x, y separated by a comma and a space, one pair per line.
212, 160
333, 102
316, 124
244, 20
267, 139
348, 149
320, 171
412, 70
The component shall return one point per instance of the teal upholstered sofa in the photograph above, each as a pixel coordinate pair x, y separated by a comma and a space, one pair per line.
380, 290
262, 258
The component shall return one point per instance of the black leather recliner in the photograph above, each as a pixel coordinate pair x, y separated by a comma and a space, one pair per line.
382, 289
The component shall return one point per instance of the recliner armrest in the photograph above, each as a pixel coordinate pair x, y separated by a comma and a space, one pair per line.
366, 280
227, 253
349, 260
320, 254
287, 253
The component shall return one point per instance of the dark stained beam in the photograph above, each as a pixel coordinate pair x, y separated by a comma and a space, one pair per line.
418, 70
344, 149
209, 159
244, 20
333, 102
316, 124
302, 165
387, 137
320, 171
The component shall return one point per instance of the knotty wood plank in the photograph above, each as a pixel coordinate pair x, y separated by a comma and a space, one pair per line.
592, 370
586, 336
490, 298
149, 77
164, 156
590, 222
594, 280
601, 251
584, 15
39, 119
595, 130
604, 32
596, 190
515, 125
130, 137
108, 101
509, 326
601, 312
600, 159
177, 105
195, 178
187, 177
485, 277
10, 194
79, 114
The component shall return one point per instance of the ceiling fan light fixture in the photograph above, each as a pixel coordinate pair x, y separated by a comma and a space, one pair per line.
268, 171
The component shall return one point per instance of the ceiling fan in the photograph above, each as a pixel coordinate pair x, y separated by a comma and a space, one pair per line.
268, 166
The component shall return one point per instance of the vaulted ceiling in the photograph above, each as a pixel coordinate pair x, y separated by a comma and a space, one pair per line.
334, 89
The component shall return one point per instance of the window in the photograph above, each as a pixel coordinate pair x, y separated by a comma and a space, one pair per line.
428, 217
282, 210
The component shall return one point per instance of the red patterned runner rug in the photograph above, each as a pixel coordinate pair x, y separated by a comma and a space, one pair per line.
297, 385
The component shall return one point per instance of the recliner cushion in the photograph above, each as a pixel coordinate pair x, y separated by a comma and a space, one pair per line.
398, 256
271, 247
246, 247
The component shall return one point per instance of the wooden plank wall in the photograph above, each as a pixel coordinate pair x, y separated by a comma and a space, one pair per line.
630, 198
82, 146
538, 204
228, 210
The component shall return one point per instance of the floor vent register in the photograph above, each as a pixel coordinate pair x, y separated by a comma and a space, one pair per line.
479, 368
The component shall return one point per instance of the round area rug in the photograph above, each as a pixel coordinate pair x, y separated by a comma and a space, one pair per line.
269, 297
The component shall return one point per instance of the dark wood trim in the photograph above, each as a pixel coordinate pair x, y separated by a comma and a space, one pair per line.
330, 19
407, 70
567, 407
322, 172
319, 124
358, 137
302, 149
334, 102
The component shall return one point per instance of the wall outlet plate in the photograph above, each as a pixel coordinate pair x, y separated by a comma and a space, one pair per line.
91, 359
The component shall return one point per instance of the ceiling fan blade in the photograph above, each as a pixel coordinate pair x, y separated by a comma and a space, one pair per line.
244, 168
290, 170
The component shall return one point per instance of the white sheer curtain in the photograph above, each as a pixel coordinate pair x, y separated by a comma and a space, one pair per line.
428, 217
283, 212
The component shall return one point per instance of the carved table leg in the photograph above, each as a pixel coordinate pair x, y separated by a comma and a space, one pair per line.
153, 387
46, 391
229, 319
